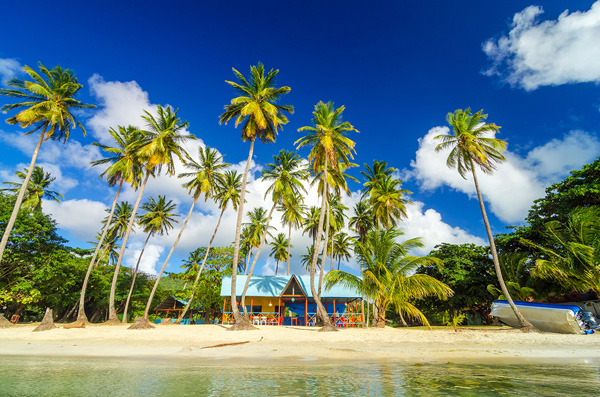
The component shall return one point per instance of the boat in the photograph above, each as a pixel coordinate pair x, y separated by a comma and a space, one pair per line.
547, 317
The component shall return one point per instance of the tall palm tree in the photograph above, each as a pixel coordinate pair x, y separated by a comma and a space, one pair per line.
287, 174
158, 219
261, 117
362, 221
306, 259
163, 140
279, 250
228, 190
292, 216
37, 188
206, 174
337, 221
389, 276
387, 201
470, 147
373, 174
342, 244
329, 146
311, 223
124, 168
48, 103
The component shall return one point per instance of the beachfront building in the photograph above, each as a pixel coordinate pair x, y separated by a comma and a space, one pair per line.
287, 300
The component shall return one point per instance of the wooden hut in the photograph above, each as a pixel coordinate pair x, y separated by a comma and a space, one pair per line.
287, 300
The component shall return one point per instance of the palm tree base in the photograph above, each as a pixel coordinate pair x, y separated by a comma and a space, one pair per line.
47, 322
141, 323
529, 329
112, 322
328, 328
243, 325
4, 323
75, 324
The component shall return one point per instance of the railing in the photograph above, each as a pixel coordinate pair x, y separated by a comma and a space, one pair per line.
256, 318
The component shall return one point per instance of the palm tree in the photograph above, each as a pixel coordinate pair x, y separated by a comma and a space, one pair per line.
306, 259
227, 191
48, 106
37, 188
470, 146
389, 276
362, 221
387, 202
206, 175
329, 146
342, 244
261, 118
163, 140
337, 221
373, 175
287, 173
158, 219
311, 223
279, 250
124, 167
292, 216
573, 258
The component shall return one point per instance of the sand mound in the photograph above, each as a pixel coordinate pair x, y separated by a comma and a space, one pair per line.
141, 323
4, 323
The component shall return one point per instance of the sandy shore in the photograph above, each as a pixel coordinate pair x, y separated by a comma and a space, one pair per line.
270, 343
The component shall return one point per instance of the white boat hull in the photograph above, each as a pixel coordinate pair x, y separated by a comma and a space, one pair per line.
545, 317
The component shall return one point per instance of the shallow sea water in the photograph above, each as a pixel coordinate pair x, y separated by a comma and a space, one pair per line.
29, 376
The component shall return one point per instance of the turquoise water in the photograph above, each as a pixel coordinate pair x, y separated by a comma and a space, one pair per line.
28, 376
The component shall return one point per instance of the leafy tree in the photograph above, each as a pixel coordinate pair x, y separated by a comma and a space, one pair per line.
261, 117
48, 106
470, 147
37, 188
516, 267
467, 270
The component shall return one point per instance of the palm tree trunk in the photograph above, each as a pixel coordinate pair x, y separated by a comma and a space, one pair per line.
15, 212
287, 273
162, 269
112, 313
525, 325
276, 267
135, 272
260, 247
332, 243
240, 322
187, 306
327, 325
81, 317
325, 245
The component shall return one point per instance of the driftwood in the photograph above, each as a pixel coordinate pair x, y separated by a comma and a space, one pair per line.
76, 324
47, 322
226, 344
4, 323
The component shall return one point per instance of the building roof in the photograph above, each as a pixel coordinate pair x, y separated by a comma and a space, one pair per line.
272, 286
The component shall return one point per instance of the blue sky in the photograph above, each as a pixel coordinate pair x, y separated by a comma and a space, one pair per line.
398, 67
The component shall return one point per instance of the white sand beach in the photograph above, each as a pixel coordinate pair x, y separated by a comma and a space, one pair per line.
271, 343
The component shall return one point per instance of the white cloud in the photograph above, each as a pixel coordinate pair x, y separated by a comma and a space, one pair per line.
120, 104
511, 189
552, 52
82, 218
149, 260
9, 67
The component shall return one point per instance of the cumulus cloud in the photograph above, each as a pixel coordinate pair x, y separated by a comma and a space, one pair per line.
149, 260
9, 67
121, 103
82, 218
552, 52
511, 189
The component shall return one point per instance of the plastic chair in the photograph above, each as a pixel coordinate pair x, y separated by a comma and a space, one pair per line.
263, 320
255, 320
15, 318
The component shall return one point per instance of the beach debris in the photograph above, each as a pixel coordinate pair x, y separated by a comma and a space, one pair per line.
225, 344
141, 323
4, 323
47, 322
